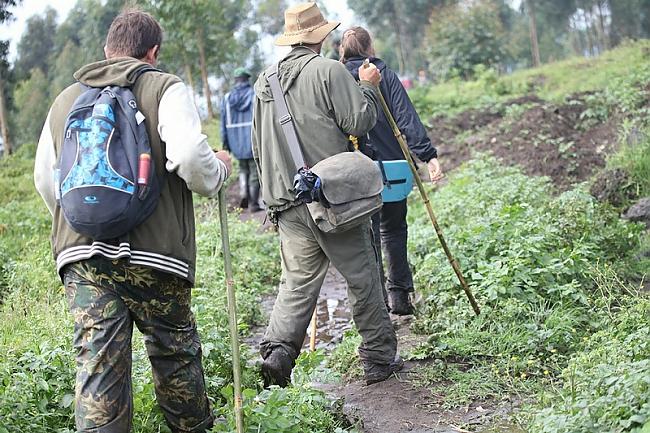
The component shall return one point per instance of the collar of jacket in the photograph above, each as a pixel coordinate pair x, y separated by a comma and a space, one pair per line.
290, 67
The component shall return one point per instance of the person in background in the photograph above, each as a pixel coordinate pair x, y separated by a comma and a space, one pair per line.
236, 121
423, 80
327, 106
390, 229
143, 277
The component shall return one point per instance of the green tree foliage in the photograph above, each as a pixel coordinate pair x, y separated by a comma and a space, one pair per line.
5, 9
630, 19
87, 26
269, 14
203, 32
5, 15
402, 23
37, 43
31, 108
53, 54
460, 38
65, 64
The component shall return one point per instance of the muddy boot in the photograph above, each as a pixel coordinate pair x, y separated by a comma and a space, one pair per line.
243, 191
374, 373
254, 193
276, 368
400, 302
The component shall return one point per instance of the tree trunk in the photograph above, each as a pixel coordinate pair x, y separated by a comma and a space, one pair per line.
605, 35
400, 49
188, 74
4, 123
592, 28
204, 72
534, 43
190, 80
590, 40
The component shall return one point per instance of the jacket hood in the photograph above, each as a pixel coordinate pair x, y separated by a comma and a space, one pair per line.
354, 63
241, 97
119, 71
290, 68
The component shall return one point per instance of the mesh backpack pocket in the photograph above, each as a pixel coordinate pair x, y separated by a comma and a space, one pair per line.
106, 181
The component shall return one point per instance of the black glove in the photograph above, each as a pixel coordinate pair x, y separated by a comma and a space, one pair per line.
308, 187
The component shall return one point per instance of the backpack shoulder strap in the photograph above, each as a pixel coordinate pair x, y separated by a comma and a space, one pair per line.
284, 116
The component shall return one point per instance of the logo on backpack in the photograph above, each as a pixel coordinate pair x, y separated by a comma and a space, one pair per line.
106, 183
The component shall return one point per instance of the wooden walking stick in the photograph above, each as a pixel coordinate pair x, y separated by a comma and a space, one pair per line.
232, 310
405, 150
312, 337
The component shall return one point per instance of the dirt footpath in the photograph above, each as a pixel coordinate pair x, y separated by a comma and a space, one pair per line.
398, 404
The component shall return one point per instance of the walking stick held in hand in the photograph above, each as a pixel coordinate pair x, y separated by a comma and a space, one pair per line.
232, 310
407, 156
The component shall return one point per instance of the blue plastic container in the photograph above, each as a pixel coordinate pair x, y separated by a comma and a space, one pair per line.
398, 180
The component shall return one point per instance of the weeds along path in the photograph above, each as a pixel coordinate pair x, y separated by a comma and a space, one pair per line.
403, 403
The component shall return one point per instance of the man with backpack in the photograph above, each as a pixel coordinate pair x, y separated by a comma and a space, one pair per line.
236, 121
326, 105
120, 153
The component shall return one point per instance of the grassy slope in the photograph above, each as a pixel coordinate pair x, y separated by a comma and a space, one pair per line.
553, 81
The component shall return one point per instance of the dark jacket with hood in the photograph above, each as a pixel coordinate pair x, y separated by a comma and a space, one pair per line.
236, 121
381, 139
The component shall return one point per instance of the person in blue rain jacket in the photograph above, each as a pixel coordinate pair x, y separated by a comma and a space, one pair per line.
236, 123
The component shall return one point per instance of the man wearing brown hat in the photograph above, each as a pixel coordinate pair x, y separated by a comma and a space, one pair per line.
327, 106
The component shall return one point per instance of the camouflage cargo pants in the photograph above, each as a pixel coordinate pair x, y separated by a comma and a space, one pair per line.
106, 298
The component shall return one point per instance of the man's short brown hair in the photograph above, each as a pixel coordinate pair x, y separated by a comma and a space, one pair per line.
133, 33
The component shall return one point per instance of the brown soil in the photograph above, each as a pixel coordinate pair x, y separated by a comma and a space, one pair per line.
400, 405
546, 140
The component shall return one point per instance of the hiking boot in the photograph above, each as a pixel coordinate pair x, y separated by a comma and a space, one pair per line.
400, 303
374, 373
276, 368
243, 203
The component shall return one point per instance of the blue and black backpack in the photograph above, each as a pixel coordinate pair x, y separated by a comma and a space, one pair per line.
106, 182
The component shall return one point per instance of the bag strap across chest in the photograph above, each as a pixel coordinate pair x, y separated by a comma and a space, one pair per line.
284, 116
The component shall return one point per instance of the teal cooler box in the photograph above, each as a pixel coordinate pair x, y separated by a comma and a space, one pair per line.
398, 180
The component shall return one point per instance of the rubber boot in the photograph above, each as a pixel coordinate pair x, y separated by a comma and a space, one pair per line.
400, 302
243, 191
254, 195
276, 368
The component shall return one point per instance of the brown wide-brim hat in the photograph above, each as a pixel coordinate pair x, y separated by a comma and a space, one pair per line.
305, 24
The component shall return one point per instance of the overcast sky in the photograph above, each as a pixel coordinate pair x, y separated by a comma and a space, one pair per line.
338, 10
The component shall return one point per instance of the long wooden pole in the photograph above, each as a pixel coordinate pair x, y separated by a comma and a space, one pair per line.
427, 203
232, 310
312, 337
